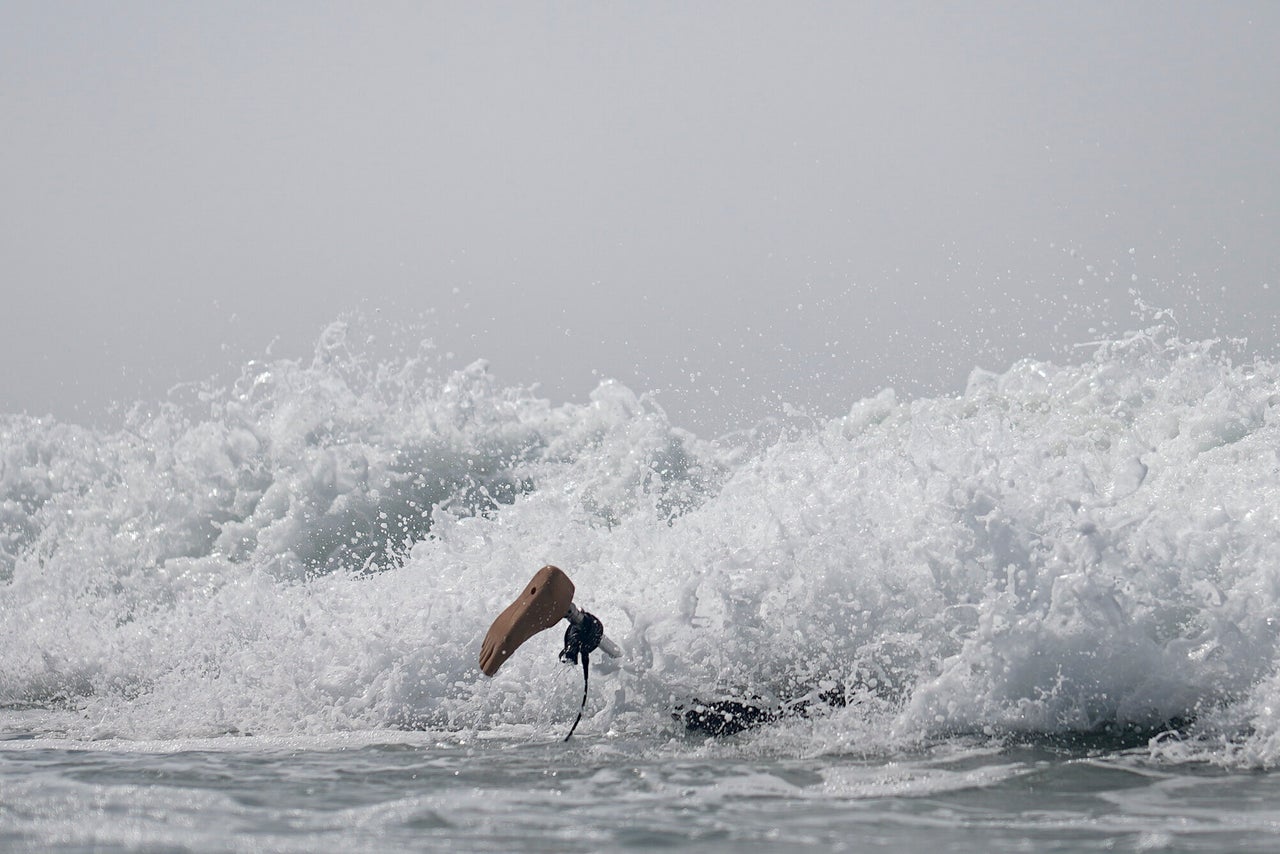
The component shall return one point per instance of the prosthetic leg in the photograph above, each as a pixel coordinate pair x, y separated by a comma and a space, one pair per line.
547, 599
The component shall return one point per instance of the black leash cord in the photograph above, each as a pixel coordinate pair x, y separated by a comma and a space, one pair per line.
583, 707
581, 638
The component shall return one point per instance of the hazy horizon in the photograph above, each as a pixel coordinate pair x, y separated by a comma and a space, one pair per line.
734, 206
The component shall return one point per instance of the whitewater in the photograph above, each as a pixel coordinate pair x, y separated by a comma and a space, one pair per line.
1044, 613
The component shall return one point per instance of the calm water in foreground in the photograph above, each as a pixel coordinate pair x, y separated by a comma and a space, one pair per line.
531, 793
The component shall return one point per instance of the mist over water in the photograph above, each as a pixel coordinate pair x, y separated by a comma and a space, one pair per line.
730, 205
1077, 547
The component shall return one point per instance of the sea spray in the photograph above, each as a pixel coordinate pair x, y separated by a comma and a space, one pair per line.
1063, 548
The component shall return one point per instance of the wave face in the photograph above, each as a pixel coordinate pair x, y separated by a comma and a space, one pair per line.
321, 546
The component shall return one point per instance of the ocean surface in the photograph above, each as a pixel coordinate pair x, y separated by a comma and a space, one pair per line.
1041, 615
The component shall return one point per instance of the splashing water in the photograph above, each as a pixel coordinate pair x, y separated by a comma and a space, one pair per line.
1061, 549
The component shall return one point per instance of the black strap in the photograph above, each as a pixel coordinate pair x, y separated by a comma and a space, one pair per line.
581, 638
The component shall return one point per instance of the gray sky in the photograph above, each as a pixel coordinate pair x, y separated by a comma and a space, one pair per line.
730, 204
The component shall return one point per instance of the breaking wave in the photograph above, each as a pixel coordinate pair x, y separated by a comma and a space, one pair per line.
1063, 548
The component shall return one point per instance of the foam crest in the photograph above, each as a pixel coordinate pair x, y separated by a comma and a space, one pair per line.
1062, 548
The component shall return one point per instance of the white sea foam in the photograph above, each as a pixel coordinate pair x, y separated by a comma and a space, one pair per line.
1062, 548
